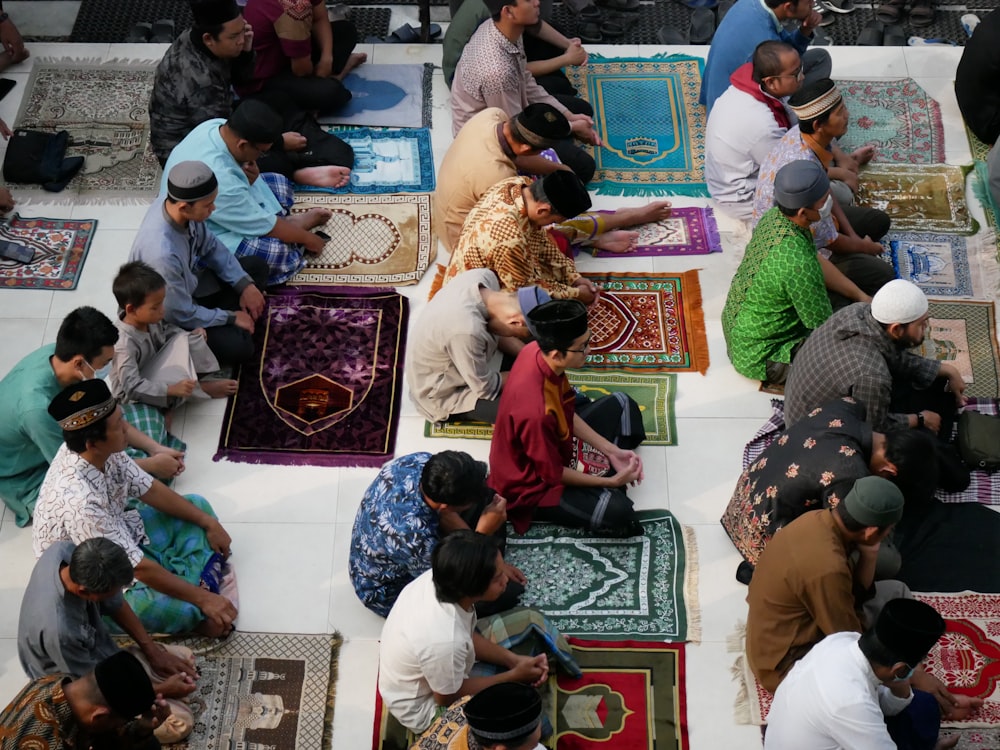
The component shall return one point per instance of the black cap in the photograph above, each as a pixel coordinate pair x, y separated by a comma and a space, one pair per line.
541, 125
560, 321
504, 712
214, 12
908, 628
82, 404
256, 122
125, 685
566, 194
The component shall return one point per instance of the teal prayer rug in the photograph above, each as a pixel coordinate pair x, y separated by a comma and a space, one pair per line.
642, 588
647, 114
386, 161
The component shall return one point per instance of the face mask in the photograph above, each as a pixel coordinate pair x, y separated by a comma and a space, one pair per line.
98, 374
826, 209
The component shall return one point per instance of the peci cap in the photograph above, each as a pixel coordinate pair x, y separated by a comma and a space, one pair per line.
214, 12
909, 628
540, 125
191, 181
566, 194
815, 99
504, 712
82, 404
559, 321
874, 501
125, 685
530, 297
899, 301
256, 122
799, 184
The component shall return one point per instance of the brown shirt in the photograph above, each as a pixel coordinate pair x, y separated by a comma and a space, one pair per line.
802, 591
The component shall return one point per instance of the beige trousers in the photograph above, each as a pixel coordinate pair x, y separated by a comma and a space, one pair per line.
181, 721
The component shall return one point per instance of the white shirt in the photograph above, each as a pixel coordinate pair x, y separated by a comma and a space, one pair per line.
426, 648
77, 501
741, 133
832, 700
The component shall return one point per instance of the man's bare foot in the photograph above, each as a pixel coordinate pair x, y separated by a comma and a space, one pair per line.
655, 211
331, 177
617, 241
314, 217
353, 61
863, 155
218, 388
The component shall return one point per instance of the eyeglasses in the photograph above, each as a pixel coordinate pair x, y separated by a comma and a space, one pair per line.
583, 350
797, 75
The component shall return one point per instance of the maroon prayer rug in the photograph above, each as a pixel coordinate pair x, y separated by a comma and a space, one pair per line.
324, 387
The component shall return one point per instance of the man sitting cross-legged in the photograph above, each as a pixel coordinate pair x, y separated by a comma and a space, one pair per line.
429, 642
176, 544
251, 215
531, 454
61, 628
30, 437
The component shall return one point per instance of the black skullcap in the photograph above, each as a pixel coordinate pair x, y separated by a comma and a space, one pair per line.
541, 125
256, 122
214, 12
567, 195
191, 181
125, 685
82, 404
814, 99
504, 711
800, 183
874, 501
559, 321
908, 629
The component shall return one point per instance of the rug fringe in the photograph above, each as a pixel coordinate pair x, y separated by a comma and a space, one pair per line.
427, 105
736, 641
691, 584
39, 198
694, 316
741, 707
712, 229
659, 57
336, 641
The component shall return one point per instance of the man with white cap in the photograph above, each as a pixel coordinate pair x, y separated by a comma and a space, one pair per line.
507, 716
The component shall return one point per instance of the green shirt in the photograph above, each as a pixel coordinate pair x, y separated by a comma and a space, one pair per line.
29, 436
776, 298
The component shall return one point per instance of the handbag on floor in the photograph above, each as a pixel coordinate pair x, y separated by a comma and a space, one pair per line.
979, 440
37, 158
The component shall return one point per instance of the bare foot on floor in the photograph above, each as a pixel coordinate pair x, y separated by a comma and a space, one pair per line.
353, 61
331, 177
314, 217
218, 388
617, 241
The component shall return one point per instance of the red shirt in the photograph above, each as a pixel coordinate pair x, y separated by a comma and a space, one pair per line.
533, 437
282, 31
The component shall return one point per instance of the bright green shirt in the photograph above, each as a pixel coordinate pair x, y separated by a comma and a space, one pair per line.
29, 436
776, 298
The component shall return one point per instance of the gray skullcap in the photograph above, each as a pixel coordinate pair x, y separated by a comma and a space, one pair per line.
799, 184
530, 297
874, 501
256, 122
190, 181
899, 301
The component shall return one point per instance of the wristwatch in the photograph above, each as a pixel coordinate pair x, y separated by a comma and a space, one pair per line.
920, 419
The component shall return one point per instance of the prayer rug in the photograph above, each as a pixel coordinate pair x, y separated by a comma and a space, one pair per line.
979, 149
980, 186
895, 116
386, 161
60, 247
648, 323
688, 231
390, 96
654, 394
964, 334
376, 239
647, 150
643, 587
325, 383
937, 263
927, 198
104, 107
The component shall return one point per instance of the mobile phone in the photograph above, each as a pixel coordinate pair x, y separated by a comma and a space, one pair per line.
15, 251
322, 235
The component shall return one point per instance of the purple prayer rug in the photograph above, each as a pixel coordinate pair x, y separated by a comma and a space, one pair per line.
688, 231
324, 387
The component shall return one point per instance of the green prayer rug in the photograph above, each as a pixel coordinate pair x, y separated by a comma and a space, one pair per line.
964, 334
919, 198
647, 114
654, 394
642, 587
981, 187
979, 149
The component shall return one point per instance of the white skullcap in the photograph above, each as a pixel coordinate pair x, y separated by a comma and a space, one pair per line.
899, 301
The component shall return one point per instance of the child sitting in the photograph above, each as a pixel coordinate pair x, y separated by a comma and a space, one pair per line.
141, 372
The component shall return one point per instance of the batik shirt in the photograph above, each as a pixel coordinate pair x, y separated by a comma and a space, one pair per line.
776, 298
450, 731
811, 466
790, 148
395, 531
39, 717
498, 235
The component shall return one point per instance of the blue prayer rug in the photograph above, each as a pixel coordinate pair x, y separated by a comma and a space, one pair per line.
937, 263
390, 96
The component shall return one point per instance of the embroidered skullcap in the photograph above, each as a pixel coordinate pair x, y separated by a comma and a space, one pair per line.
255, 122
125, 685
800, 183
815, 99
191, 181
908, 628
566, 194
540, 125
899, 301
82, 404
530, 297
214, 12
504, 712
558, 321
874, 501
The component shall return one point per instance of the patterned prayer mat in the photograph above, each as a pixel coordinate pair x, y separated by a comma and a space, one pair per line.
376, 239
980, 187
937, 263
897, 117
648, 150
104, 107
386, 161
965, 335
390, 96
60, 247
325, 384
928, 198
688, 231
654, 394
643, 587
979, 149
648, 323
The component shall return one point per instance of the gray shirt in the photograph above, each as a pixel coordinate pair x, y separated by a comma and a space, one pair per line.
57, 631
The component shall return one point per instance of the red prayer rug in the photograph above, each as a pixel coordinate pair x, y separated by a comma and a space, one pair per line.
59, 245
648, 323
324, 386
687, 231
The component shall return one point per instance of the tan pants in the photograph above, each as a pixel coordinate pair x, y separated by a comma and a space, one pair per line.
181, 721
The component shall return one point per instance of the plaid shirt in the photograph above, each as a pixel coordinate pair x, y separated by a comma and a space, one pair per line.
852, 355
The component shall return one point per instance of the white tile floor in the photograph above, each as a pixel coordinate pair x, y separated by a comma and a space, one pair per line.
291, 526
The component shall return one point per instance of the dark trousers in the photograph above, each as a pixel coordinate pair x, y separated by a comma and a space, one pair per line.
918, 725
868, 221
322, 149
868, 272
230, 344
512, 594
816, 64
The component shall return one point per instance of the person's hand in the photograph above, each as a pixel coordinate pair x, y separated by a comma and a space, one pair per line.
159, 712
516, 574
218, 609
201, 332
493, 516
324, 68
293, 141
12, 42
583, 128
247, 37
243, 321
251, 170
954, 706
165, 464
218, 538
849, 178
575, 54
956, 383
589, 291
181, 389
863, 155
6, 201
314, 244
177, 685
947, 741
530, 669
252, 302
932, 420
628, 469
165, 662
811, 23
871, 247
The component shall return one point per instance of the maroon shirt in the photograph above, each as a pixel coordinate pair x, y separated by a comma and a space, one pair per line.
282, 32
